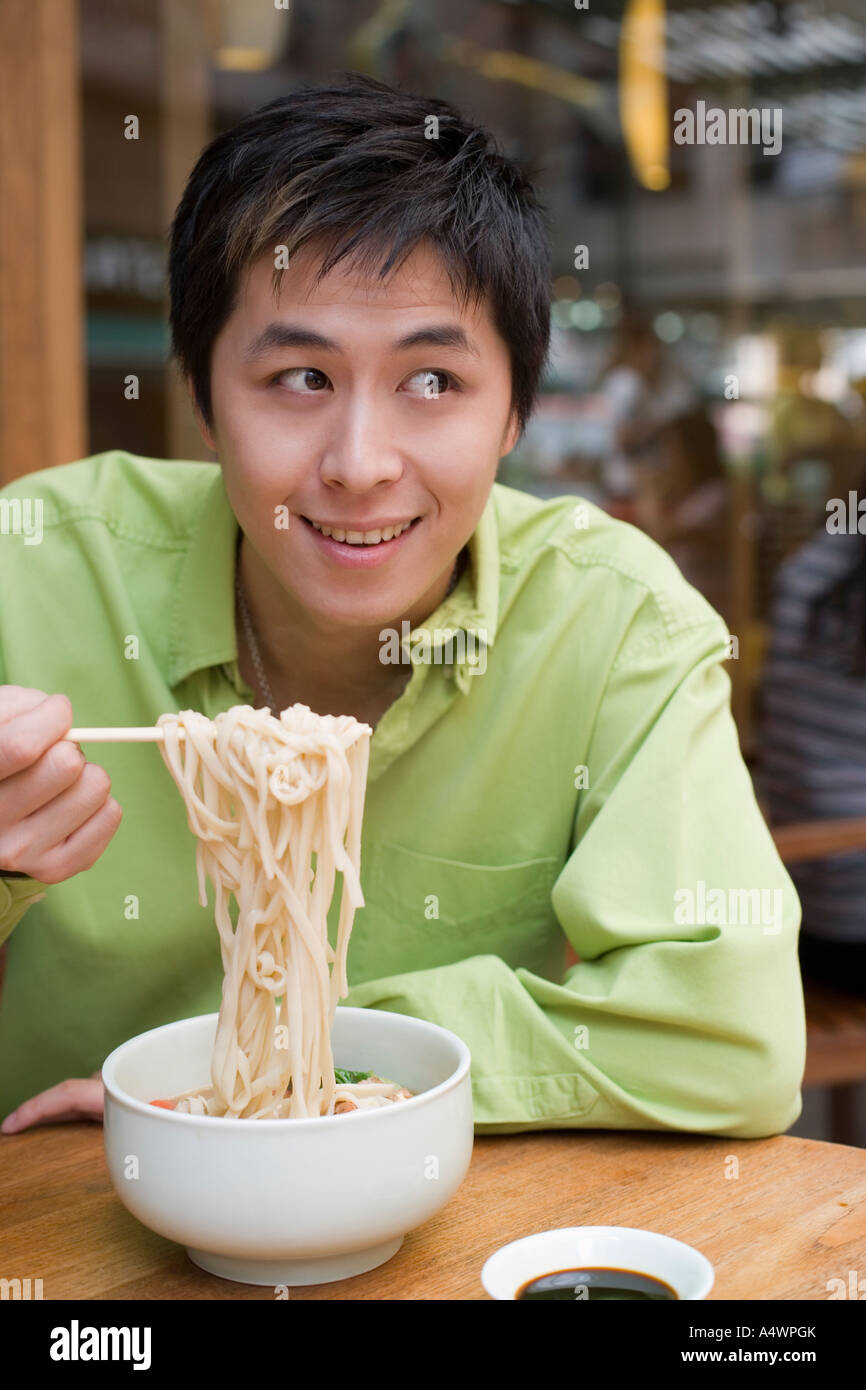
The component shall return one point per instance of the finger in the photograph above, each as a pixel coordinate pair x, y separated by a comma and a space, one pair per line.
25, 737
30, 790
46, 846
82, 849
47, 828
17, 699
76, 1099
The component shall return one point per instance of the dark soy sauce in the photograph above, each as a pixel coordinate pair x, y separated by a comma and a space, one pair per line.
598, 1283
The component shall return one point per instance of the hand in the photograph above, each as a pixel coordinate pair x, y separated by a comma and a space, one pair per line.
80, 1098
56, 815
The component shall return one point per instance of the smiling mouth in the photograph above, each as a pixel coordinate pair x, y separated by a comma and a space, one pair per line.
362, 538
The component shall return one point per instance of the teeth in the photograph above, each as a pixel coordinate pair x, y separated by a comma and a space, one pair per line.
362, 537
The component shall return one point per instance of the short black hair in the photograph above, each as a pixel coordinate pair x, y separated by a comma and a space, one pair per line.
367, 172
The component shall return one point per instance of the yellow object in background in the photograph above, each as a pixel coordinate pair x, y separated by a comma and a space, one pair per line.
643, 92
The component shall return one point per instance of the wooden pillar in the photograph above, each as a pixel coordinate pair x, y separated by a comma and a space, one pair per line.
186, 33
42, 357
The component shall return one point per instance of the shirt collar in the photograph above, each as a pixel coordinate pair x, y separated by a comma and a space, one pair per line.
203, 620
202, 626
473, 607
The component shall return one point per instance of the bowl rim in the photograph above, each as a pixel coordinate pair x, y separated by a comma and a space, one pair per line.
702, 1268
231, 1123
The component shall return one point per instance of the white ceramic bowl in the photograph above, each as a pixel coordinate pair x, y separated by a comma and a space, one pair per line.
290, 1201
688, 1272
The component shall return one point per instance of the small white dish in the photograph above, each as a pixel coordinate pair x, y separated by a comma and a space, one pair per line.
686, 1270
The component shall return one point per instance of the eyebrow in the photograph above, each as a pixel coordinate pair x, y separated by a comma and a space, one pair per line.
291, 335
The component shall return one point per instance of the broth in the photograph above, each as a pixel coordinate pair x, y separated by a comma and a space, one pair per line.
599, 1284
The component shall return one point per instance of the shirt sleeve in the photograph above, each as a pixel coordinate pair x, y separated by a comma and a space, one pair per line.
16, 895
685, 1010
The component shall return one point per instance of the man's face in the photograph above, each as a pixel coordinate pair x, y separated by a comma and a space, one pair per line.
349, 415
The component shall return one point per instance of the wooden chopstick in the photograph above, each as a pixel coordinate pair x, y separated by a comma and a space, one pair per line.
151, 733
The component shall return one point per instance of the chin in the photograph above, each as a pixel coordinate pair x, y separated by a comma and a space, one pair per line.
359, 615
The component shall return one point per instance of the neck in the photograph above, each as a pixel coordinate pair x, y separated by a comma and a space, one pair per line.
312, 660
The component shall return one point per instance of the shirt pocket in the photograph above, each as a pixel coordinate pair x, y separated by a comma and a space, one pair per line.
423, 911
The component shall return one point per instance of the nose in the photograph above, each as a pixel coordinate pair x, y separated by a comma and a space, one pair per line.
361, 451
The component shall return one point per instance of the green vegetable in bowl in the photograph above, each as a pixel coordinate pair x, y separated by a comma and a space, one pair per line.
350, 1078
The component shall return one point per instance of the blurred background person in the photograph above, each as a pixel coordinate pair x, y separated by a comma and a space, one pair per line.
645, 391
664, 471
813, 739
804, 427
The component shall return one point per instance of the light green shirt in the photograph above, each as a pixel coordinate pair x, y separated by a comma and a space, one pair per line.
582, 781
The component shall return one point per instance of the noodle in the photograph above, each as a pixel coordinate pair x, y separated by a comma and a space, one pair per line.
264, 796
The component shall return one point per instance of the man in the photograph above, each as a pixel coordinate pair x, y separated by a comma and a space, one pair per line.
360, 292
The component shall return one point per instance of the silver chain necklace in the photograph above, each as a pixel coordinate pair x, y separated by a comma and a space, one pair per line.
264, 683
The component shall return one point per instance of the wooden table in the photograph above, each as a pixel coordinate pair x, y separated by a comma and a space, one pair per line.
794, 1218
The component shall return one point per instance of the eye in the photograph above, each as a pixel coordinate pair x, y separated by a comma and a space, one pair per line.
296, 379
432, 383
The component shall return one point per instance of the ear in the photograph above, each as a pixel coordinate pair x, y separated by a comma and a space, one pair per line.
203, 428
512, 434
